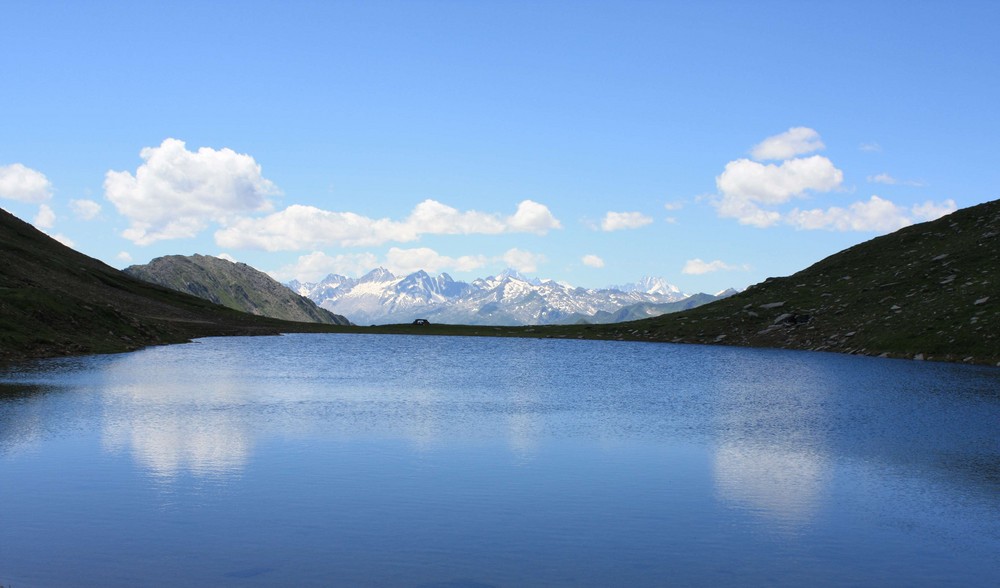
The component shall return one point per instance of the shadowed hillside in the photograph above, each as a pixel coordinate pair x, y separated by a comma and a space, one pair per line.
234, 285
928, 291
56, 301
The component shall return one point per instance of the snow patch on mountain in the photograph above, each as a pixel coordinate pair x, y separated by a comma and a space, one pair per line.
508, 298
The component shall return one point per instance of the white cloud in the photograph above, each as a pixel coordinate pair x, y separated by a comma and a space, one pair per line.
175, 193
870, 147
64, 240
226, 257
24, 184
745, 185
795, 141
877, 215
46, 218
888, 180
674, 205
315, 266
407, 261
882, 179
430, 216
301, 227
124, 256
697, 267
523, 261
532, 217
592, 261
85, 209
614, 221
753, 192
929, 211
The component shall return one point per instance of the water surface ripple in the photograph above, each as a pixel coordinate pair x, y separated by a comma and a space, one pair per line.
365, 460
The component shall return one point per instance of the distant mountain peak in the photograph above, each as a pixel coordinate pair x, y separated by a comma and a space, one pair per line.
649, 285
507, 298
379, 274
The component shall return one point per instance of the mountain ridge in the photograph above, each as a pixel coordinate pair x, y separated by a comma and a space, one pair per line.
927, 291
234, 285
56, 301
505, 299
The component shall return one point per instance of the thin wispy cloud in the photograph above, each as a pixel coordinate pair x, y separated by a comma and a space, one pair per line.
889, 180
618, 221
793, 142
697, 266
85, 209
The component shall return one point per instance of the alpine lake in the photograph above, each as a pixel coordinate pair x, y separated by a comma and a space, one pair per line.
419, 461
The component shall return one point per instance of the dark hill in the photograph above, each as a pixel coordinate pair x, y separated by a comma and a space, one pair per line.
235, 285
927, 291
57, 301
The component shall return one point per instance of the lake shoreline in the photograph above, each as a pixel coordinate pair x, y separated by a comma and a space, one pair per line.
609, 332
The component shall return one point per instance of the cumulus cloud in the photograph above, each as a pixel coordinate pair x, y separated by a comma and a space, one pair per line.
532, 217
793, 142
523, 261
85, 209
301, 227
315, 266
877, 214
226, 257
24, 184
746, 185
592, 261
753, 192
615, 221
124, 256
46, 218
697, 267
175, 193
407, 261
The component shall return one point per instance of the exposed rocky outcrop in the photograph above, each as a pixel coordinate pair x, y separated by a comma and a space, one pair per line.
234, 285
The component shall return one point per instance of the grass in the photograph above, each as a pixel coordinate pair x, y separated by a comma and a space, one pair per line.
927, 291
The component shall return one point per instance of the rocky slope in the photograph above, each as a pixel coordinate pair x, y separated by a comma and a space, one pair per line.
234, 285
57, 301
928, 291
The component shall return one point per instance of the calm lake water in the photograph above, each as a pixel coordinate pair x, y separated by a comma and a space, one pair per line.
365, 460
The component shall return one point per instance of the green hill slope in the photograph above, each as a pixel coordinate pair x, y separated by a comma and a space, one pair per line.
57, 301
926, 291
234, 285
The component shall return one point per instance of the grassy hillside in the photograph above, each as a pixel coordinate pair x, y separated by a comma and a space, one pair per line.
234, 285
56, 301
927, 291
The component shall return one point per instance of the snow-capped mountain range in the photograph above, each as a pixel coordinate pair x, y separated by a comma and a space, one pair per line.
379, 297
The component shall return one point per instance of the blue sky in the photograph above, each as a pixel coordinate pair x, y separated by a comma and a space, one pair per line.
714, 144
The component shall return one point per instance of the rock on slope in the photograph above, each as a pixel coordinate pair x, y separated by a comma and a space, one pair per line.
928, 291
235, 285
